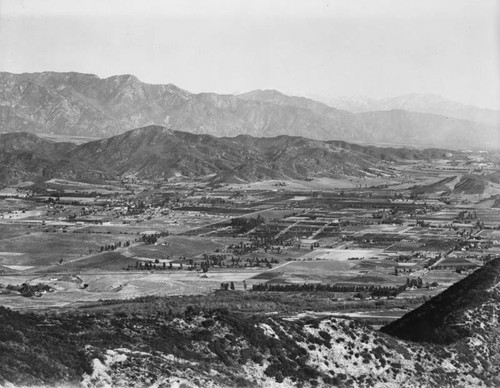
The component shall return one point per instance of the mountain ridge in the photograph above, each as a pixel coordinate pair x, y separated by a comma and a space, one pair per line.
156, 152
86, 105
416, 102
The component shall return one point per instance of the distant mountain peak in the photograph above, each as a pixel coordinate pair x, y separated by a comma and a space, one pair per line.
417, 102
151, 129
262, 93
123, 78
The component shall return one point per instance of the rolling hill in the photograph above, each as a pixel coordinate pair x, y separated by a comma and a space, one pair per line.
86, 105
463, 184
156, 152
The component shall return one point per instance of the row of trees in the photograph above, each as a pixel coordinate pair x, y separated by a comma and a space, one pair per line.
376, 291
148, 265
205, 265
112, 247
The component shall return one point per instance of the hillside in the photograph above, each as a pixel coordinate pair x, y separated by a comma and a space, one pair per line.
26, 157
85, 105
471, 184
159, 153
463, 184
466, 309
27, 142
441, 186
160, 340
156, 152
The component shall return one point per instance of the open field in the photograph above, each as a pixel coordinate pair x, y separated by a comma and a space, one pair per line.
180, 246
340, 254
332, 272
96, 284
314, 184
40, 249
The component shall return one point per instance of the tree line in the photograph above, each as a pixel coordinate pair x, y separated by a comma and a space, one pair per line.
373, 290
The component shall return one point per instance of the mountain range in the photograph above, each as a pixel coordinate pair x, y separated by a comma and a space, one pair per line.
416, 102
156, 152
85, 105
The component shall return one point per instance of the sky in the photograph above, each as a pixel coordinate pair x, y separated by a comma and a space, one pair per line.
328, 48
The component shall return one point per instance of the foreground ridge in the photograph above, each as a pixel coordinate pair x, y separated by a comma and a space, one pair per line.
144, 342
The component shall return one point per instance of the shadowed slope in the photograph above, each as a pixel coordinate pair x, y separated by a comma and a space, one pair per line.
447, 317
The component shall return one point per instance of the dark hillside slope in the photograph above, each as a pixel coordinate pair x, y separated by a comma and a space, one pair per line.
446, 318
27, 142
494, 177
436, 187
156, 152
471, 184
392, 153
26, 157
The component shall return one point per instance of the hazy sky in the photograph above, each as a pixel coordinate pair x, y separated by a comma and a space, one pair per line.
378, 48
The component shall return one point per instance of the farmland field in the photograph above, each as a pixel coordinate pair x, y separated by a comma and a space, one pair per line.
40, 249
180, 246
